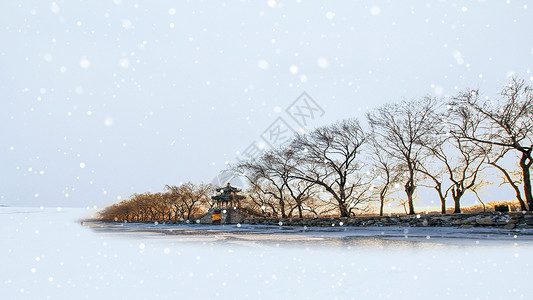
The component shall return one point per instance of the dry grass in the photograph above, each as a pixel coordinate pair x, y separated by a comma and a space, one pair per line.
474, 209
489, 207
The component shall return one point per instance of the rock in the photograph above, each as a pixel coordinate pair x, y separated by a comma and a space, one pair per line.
485, 221
466, 226
509, 226
529, 221
524, 226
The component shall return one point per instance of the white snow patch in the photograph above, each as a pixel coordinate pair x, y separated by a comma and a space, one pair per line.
322, 62
330, 15
127, 24
47, 57
293, 69
85, 63
375, 10
54, 8
262, 64
124, 62
78, 90
458, 57
108, 122
272, 3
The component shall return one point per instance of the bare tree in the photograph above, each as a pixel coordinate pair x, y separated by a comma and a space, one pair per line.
301, 192
479, 187
316, 206
510, 177
506, 122
329, 159
386, 170
175, 199
256, 200
458, 160
116, 213
404, 203
184, 201
271, 173
401, 129
188, 198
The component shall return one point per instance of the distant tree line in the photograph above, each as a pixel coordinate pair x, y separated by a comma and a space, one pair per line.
347, 168
182, 202
448, 145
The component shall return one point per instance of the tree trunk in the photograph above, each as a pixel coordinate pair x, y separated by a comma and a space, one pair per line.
342, 200
300, 212
382, 195
343, 209
442, 198
479, 199
457, 202
382, 202
274, 211
515, 187
456, 195
410, 190
282, 208
527, 180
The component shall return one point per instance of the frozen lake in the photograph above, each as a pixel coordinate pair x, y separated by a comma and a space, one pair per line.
48, 254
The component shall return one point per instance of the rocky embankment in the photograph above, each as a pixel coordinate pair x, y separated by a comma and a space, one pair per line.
503, 220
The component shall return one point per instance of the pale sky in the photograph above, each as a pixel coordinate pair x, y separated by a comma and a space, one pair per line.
101, 99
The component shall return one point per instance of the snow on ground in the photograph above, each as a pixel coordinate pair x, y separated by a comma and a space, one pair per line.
48, 254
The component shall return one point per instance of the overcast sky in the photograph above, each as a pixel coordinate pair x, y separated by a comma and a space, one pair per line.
101, 99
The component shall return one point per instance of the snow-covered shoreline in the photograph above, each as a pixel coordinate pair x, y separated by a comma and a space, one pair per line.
49, 254
320, 235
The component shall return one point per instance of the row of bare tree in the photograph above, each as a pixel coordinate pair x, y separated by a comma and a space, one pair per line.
449, 145
182, 202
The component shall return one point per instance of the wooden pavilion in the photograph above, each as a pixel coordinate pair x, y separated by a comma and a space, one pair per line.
228, 196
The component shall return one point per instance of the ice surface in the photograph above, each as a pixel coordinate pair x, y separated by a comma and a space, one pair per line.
49, 254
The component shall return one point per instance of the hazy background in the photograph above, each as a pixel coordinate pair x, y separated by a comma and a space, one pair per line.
100, 99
